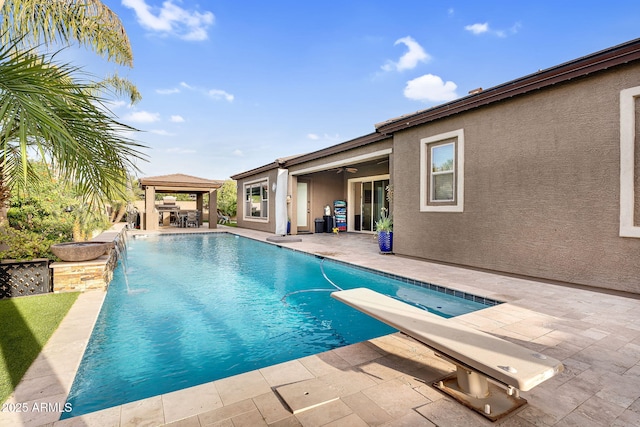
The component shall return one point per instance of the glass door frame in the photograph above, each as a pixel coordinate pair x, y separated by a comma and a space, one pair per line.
352, 202
305, 228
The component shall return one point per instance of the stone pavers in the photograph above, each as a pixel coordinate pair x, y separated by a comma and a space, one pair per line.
387, 381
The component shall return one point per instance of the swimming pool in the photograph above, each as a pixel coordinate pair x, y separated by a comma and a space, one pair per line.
197, 308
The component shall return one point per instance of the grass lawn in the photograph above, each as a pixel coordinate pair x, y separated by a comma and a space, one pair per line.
27, 324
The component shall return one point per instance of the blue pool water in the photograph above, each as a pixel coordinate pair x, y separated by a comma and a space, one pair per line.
197, 308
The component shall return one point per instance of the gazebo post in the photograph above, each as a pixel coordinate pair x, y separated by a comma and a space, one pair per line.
213, 209
150, 213
199, 208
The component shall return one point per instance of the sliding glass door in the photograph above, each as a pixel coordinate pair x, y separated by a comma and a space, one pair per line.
369, 196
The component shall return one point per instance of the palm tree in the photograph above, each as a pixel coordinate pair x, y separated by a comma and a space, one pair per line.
46, 110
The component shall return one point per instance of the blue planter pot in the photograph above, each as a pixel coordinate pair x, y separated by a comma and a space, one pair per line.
385, 241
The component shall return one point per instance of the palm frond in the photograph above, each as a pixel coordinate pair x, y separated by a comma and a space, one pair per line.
90, 23
120, 87
46, 109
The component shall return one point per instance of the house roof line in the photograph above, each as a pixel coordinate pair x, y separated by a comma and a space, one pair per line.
577, 68
611, 57
335, 149
324, 152
179, 180
260, 169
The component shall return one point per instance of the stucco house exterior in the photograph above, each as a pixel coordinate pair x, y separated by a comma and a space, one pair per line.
538, 177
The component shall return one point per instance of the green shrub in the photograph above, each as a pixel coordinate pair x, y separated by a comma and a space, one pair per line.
228, 198
49, 213
24, 244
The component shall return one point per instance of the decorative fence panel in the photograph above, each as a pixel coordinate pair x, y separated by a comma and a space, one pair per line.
20, 278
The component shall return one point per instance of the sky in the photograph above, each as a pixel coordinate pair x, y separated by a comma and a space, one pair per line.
232, 85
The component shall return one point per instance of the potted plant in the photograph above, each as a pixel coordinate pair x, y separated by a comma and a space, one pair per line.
384, 230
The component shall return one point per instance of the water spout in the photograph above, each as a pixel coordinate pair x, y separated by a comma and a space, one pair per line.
122, 255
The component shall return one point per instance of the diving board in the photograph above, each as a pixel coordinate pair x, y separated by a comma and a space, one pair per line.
478, 356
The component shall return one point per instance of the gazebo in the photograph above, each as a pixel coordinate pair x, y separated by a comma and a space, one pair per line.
178, 183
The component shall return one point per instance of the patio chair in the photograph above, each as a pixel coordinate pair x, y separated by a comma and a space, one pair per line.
223, 219
192, 219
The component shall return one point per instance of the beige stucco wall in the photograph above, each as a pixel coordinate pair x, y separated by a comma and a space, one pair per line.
542, 187
261, 225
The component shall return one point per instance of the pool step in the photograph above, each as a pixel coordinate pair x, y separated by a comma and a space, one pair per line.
307, 394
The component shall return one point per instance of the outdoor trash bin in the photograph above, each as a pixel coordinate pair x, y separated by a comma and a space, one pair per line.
328, 223
319, 225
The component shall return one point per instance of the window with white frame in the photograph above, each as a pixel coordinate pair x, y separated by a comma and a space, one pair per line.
256, 200
442, 172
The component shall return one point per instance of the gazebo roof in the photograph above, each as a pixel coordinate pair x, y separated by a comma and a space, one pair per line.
180, 183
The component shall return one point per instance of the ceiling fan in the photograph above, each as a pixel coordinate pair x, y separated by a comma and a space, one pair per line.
350, 170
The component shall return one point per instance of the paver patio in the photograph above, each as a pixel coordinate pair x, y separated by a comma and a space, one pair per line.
385, 381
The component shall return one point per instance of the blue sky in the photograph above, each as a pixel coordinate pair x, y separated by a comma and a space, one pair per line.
231, 85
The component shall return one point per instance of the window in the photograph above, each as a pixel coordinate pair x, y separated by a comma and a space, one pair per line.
442, 177
256, 200
442, 172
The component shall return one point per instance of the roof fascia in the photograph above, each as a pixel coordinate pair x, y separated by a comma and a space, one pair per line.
599, 61
266, 168
338, 148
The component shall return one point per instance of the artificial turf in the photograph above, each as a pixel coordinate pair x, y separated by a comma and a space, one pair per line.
26, 324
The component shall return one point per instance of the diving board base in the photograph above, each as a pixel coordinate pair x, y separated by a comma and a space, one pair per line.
500, 404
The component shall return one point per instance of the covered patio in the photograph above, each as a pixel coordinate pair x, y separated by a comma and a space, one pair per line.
177, 184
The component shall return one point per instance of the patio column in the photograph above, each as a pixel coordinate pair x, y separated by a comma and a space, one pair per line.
281, 202
293, 204
213, 209
150, 212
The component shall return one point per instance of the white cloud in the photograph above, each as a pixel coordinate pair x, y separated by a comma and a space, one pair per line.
213, 93
478, 28
220, 94
410, 59
313, 136
142, 117
167, 91
238, 153
430, 88
177, 119
171, 19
